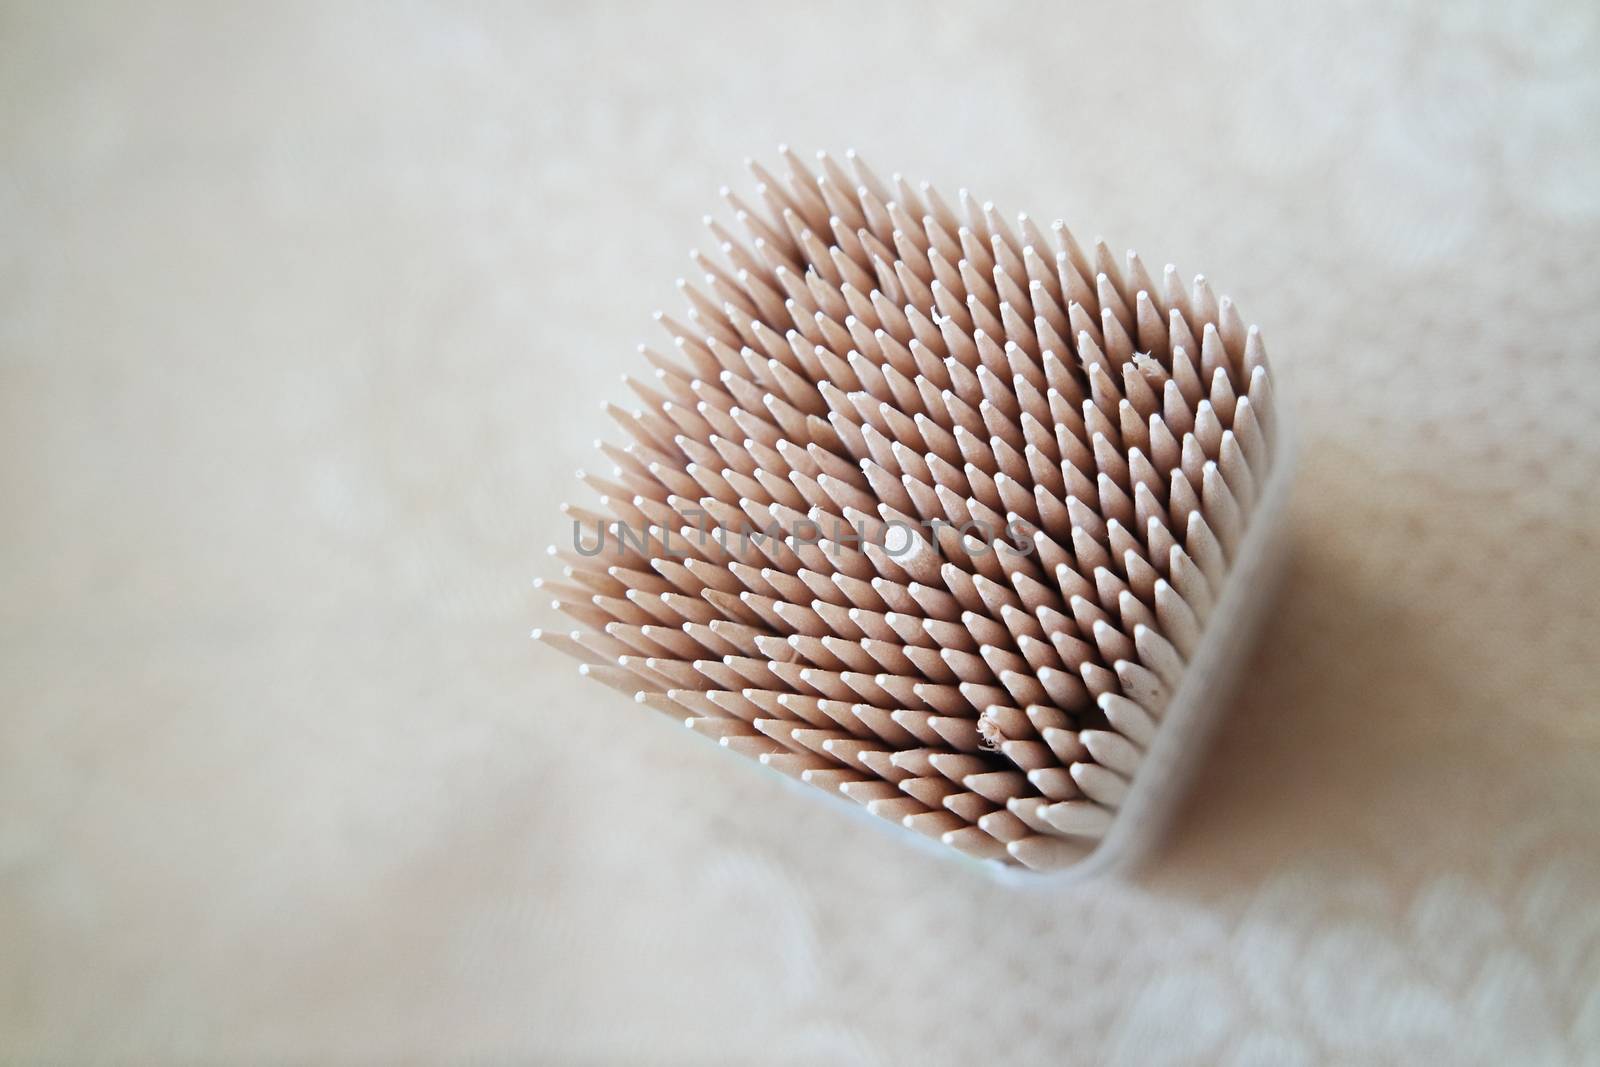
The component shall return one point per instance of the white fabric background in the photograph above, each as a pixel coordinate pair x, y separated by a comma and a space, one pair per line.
305, 317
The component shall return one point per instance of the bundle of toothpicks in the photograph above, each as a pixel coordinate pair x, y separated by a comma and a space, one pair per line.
922, 506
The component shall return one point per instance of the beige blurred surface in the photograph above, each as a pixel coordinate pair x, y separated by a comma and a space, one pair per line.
305, 317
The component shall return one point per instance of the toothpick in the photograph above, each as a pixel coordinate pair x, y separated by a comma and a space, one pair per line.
1077, 448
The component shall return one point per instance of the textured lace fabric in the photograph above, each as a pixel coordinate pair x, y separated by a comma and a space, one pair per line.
301, 315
